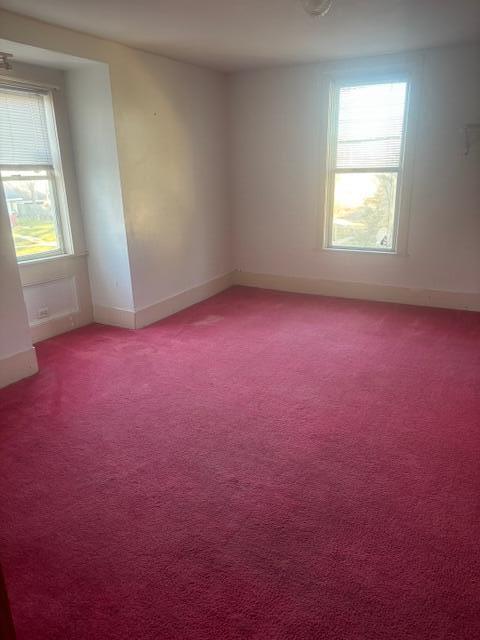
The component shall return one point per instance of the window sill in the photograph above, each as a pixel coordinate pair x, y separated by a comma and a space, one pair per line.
370, 252
48, 259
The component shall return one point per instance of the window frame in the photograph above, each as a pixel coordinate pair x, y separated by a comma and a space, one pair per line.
400, 219
54, 175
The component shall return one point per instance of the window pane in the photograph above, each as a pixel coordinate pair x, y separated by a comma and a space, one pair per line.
364, 210
370, 125
31, 208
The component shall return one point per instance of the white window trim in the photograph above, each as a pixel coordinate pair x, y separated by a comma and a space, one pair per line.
57, 179
404, 187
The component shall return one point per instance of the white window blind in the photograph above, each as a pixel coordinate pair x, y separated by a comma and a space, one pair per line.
23, 128
370, 125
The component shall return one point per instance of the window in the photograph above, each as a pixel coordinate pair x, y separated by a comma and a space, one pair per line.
366, 164
31, 173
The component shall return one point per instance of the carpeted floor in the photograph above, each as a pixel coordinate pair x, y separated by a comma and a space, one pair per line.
263, 465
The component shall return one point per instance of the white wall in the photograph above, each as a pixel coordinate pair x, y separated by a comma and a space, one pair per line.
17, 357
172, 140
170, 120
96, 160
279, 118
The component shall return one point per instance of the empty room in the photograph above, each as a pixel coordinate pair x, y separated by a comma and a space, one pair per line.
239, 320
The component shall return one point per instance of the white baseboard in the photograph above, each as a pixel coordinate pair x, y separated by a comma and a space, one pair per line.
115, 317
164, 308
360, 290
18, 366
59, 324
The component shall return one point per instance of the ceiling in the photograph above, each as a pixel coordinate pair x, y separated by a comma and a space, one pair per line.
239, 34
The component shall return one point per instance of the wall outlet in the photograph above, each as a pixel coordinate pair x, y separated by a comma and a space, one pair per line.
42, 313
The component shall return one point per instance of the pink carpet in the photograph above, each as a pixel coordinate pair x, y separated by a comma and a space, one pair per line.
262, 465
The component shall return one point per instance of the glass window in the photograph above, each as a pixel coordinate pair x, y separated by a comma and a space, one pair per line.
28, 172
365, 168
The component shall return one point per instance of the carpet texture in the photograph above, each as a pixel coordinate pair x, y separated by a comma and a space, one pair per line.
262, 465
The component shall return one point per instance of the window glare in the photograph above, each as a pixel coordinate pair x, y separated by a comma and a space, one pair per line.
363, 214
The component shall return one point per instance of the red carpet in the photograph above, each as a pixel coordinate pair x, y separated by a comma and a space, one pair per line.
262, 466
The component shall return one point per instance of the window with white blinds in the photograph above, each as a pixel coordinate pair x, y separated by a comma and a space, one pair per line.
365, 165
23, 129
370, 125
30, 175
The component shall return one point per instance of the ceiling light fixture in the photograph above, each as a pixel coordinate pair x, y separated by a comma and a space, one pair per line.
317, 7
